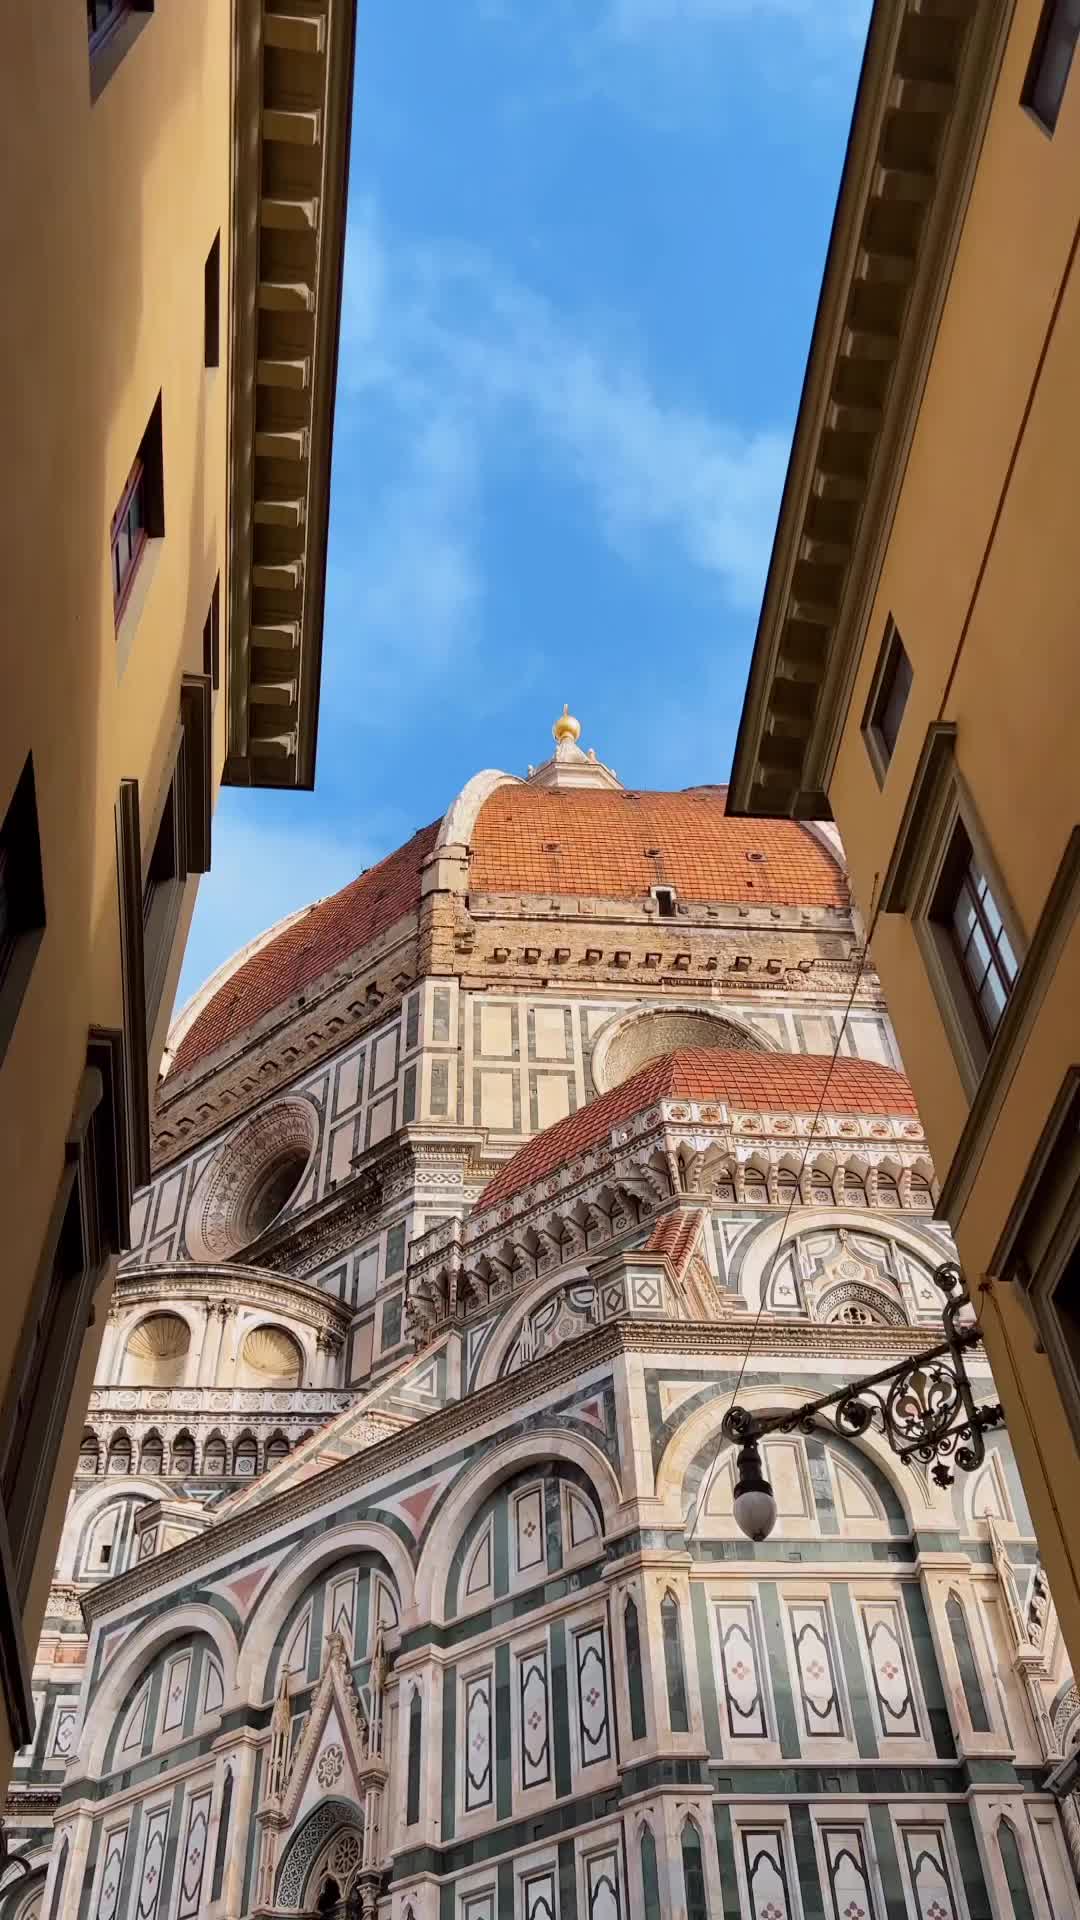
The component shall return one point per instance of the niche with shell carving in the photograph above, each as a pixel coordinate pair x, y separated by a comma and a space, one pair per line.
252, 1179
156, 1352
269, 1357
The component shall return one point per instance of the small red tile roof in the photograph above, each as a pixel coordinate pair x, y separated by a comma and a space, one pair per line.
325, 936
616, 845
780, 1082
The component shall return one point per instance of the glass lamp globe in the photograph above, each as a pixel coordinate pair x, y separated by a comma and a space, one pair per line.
755, 1502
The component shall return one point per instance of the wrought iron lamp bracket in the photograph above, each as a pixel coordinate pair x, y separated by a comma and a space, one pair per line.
923, 1407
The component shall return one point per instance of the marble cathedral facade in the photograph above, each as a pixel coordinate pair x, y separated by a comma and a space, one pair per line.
400, 1574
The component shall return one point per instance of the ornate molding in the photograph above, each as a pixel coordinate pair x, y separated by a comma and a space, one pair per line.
845, 1347
225, 1287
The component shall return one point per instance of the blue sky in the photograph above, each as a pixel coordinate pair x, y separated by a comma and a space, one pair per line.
585, 243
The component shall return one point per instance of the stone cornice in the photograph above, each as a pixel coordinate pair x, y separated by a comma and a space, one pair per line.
270, 1057
845, 1350
292, 110
640, 1155
924, 96
182, 1280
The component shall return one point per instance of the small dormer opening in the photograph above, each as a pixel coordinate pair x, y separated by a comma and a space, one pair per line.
665, 902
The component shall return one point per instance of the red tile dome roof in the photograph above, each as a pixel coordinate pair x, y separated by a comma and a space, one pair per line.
329, 933
783, 1082
617, 844
572, 841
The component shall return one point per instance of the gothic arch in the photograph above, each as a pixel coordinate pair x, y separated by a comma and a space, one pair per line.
758, 1247
294, 1575
86, 1507
136, 1653
922, 1507
481, 1479
516, 1311
307, 1846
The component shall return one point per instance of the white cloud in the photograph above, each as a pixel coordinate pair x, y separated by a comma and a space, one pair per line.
463, 365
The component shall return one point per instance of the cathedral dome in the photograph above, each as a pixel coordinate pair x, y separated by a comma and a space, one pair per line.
569, 830
300, 950
618, 844
785, 1082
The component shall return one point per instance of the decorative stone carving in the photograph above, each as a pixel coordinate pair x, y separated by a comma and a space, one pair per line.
251, 1178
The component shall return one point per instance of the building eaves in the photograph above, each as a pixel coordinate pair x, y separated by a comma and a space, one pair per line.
924, 95
292, 111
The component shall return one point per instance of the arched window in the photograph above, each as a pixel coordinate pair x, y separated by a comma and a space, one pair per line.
650, 1878
152, 1453
329, 1896
223, 1835
270, 1357
215, 1458
89, 1452
693, 1866
183, 1453
632, 1636
966, 1662
678, 1710
1012, 1862
277, 1448
412, 1796
120, 1452
246, 1457
156, 1352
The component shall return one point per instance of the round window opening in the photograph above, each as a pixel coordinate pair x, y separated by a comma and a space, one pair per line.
273, 1191
254, 1176
632, 1042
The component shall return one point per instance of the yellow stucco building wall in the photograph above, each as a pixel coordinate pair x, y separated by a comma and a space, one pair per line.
961, 539
133, 141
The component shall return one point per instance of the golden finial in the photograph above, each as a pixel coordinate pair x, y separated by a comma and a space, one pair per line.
566, 727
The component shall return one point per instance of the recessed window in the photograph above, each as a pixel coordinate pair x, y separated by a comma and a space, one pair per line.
102, 16
212, 638
140, 514
1051, 59
212, 305
112, 28
888, 699
966, 912
665, 902
22, 899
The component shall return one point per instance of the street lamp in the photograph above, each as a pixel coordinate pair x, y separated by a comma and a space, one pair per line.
924, 1407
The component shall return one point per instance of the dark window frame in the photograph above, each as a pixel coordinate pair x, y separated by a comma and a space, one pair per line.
123, 572
964, 889
212, 638
22, 899
880, 726
111, 13
1052, 19
144, 486
151, 892
88, 1225
1039, 1250
212, 304
112, 36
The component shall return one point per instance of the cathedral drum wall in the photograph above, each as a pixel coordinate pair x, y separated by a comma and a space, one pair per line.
400, 1573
